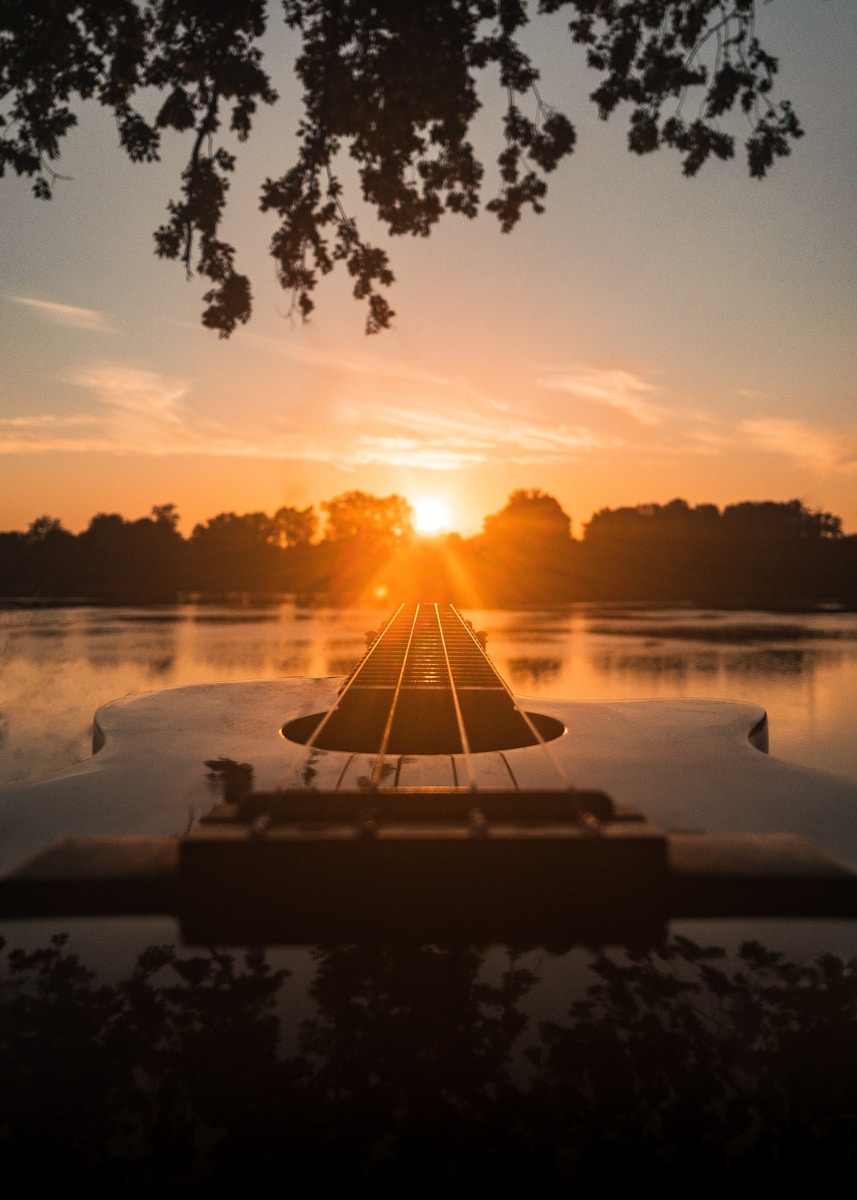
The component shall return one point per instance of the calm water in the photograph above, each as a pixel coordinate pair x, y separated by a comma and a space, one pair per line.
60, 665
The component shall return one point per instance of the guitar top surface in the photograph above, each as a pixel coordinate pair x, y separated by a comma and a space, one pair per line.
686, 765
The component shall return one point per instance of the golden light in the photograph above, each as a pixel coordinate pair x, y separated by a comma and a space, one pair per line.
431, 515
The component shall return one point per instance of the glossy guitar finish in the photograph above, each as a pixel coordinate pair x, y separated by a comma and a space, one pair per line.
162, 760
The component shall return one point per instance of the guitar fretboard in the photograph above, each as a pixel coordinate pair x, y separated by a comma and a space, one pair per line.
425, 686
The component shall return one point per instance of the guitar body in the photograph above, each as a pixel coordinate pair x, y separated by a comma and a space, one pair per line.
162, 759
684, 764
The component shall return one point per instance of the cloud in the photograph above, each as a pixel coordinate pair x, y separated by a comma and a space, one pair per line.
819, 449
88, 319
436, 434
710, 443
139, 412
46, 421
616, 389
44, 431
440, 426
358, 364
143, 393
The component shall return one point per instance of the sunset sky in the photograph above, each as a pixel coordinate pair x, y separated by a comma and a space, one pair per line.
648, 337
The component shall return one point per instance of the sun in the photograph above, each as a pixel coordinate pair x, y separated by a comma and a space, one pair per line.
431, 515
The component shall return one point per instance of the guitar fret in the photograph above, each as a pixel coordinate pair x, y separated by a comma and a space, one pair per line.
426, 687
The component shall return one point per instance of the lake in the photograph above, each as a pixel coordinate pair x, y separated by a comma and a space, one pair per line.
431, 1062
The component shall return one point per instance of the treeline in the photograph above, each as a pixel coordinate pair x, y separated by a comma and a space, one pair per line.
362, 549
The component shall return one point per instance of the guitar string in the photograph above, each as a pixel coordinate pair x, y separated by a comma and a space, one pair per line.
548, 753
302, 755
459, 718
385, 737
308, 749
462, 732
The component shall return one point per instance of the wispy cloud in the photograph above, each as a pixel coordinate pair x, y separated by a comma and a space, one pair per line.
438, 427
443, 424
437, 433
819, 449
144, 393
144, 412
707, 441
88, 319
620, 390
357, 363
137, 411
47, 421
45, 431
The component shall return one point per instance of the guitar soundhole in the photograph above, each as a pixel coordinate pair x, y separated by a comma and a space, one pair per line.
425, 723
424, 686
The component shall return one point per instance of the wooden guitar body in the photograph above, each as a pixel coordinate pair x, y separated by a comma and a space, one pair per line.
249, 788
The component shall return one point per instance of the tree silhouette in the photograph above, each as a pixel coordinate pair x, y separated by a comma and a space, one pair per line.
48, 552
126, 561
294, 526
381, 521
756, 553
764, 554
530, 517
424, 1068
232, 553
394, 86
525, 550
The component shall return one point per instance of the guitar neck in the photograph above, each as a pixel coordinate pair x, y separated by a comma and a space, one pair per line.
425, 686
426, 690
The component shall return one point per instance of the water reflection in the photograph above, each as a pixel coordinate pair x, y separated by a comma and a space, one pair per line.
235, 617
423, 1068
38, 632
339, 665
646, 665
531, 672
685, 664
772, 662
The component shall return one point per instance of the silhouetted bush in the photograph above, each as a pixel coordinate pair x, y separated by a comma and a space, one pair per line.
419, 1068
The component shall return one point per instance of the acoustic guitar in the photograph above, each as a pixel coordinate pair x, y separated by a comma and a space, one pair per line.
419, 798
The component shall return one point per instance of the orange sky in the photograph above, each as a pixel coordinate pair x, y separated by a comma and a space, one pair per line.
649, 337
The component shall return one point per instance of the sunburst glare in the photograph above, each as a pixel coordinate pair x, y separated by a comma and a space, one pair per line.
431, 515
